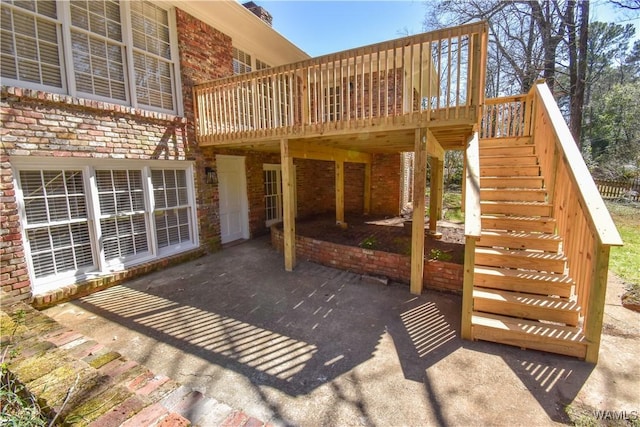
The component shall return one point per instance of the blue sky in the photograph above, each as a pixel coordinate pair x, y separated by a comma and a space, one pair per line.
325, 26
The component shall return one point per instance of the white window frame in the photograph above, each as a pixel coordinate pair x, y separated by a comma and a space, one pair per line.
239, 56
278, 194
101, 266
63, 26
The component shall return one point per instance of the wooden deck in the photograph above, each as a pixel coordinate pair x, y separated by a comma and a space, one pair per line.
367, 99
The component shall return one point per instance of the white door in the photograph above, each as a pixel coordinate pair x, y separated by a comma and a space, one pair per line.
232, 187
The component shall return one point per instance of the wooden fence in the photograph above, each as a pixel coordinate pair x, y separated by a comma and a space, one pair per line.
628, 189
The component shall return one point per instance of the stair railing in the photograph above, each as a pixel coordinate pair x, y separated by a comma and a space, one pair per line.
582, 218
506, 117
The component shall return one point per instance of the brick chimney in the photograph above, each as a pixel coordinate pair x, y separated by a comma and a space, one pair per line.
259, 11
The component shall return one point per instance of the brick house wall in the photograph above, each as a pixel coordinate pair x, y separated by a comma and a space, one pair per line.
205, 54
37, 123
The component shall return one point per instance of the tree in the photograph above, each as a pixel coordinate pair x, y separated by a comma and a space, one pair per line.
528, 40
617, 131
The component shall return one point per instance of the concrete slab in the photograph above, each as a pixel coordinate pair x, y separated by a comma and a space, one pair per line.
318, 346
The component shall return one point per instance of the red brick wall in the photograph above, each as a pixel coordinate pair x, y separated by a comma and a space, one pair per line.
438, 275
205, 54
386, 98
385, 184
36, 123
315, 181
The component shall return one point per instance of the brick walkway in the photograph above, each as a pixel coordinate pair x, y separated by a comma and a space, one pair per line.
100, 386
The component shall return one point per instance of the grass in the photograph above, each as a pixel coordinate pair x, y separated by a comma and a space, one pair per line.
623, 260
19, 407
451, 204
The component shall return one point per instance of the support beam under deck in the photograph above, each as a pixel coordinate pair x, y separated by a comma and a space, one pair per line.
435, 195
288, 206
340, 193
417, 231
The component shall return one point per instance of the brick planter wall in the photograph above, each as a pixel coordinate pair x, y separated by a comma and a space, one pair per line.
438, 275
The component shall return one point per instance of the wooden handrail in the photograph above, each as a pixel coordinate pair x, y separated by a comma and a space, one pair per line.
436, 75
582, 219
506, 117
477, 27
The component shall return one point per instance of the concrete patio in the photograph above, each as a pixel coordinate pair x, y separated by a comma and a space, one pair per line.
321, 346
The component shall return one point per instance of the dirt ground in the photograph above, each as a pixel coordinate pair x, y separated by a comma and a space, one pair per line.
319, 346
385, 234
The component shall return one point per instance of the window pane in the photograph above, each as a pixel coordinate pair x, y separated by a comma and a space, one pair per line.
29, 40
98, 58
173, 224
58, 231
120, 194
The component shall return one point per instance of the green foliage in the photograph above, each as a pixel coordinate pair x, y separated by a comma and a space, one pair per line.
624, 260
19, 407
439, 255
369, 243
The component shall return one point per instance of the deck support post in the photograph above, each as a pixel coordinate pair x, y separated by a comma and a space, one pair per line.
435, 195
367, 188
463, 199
595, 305
288, 207
417, 229
340, 193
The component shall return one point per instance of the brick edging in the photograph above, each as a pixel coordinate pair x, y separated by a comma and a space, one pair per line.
78, 290
438, 275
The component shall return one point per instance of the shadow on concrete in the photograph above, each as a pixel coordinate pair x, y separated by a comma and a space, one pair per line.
297, 331
294, 331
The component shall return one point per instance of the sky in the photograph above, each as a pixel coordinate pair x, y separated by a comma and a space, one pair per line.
325, 26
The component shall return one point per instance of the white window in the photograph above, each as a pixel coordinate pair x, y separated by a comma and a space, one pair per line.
82, 219
171, 197
332, 104
241, 62
261, 65
273, 193
100, 49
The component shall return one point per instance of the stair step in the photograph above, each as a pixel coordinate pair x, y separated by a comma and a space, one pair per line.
514, 150
510, 170
520, 194
505, 142
532, 282
516, 208
530, 334
526, 306
511, 182
518, 223
489, 160
512, 240
520, 259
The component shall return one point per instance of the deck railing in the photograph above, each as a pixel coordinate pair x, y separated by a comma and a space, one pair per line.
506, 117
582, 219
436, 75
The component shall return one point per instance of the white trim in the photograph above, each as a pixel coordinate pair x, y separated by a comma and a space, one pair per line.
244, 199
64, 30
278, 167
100, 266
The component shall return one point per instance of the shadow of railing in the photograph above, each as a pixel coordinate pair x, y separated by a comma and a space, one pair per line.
297, 332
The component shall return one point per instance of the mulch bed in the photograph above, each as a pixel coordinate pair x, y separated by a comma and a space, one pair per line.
385, 234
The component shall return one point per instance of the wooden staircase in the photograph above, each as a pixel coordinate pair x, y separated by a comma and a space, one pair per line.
521, 294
